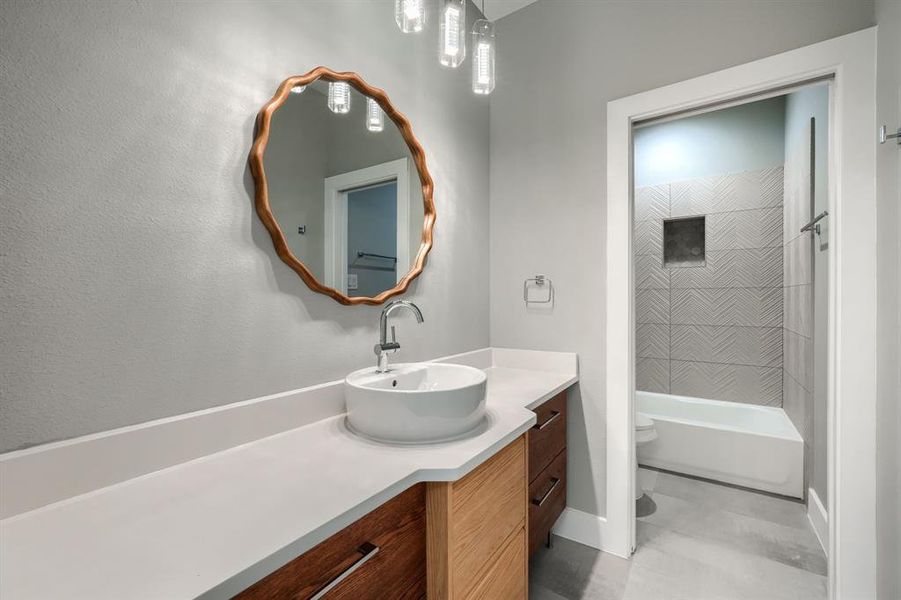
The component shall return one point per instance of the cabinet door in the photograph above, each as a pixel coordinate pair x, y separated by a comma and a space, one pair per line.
472, 523
382, 555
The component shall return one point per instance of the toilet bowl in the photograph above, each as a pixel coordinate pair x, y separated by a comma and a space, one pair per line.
645, 432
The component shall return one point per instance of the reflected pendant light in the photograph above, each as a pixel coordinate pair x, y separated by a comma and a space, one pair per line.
375, 117
452, 33
410, 15
298, 89
339, 97
483, 50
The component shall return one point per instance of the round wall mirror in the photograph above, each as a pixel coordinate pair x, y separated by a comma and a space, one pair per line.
342, 186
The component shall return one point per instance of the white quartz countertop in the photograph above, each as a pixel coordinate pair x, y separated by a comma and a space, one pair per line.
213, 526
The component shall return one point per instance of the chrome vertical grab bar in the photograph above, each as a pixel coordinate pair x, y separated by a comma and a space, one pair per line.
816, 219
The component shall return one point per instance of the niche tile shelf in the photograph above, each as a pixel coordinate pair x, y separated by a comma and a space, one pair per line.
683, 242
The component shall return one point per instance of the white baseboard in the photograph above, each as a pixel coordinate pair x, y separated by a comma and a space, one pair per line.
582, 527
819, 519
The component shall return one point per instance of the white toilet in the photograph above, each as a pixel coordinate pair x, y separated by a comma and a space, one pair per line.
645, 432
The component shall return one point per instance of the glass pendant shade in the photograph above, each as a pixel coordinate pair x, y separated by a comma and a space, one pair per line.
452, 35
339, 97
375, 117
298, 89
483, 51
410, 15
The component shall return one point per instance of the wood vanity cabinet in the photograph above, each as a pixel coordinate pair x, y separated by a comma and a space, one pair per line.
547, 469
468, 539
380, 556
477, 543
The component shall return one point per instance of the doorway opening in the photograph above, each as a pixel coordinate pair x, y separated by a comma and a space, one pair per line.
731, 302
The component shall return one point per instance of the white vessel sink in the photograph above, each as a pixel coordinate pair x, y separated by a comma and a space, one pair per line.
416, 402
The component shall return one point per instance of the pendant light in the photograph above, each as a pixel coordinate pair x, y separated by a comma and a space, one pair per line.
452, 33
339, 97
410, 15
483, 51
375, 117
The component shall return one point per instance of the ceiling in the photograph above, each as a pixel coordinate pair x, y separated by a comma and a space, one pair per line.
495, 9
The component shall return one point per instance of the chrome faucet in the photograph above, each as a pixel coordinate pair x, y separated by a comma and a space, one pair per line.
384, 346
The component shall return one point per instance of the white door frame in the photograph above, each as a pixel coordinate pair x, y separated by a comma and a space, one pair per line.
336, 188
850, 59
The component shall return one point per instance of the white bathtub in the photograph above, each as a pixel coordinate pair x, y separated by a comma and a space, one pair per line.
743, 444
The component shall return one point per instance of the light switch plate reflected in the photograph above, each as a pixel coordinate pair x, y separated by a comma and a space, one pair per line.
351, 281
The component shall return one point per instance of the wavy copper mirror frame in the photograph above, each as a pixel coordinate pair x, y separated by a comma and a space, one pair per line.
264, 119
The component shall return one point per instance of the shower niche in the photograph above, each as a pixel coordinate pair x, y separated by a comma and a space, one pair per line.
683, 242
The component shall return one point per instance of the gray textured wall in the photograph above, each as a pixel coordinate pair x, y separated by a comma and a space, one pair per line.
888, 337
548, 157
136, 280
714, 329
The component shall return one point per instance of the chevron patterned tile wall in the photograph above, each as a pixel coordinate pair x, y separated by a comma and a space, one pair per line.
751, 307
757, 267
650, 274
797, 365
652, 202
652, 340
732, 383
652, 306
750, 346
652, 375
714, 331
761, 228
727, 193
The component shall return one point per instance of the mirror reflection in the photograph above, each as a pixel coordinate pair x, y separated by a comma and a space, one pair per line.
343, 188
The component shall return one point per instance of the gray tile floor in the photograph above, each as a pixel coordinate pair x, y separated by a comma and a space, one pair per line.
704, 542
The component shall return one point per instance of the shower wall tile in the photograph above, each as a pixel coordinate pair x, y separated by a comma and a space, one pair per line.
750, 346
760, 228
650, 274
760, 267
731, 383
652, 375
797, 191
797, 306
794, 402
652, 306
756, 307
649, 238
652, 340
714, 329
652, 202
798, 261
798, 358
797, 300
727, 193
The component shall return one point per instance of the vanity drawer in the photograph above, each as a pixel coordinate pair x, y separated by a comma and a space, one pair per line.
547, 499
382, 555
548, 436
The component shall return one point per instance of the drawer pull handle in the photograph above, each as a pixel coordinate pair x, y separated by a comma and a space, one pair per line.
367, 550
554, 415
547, 494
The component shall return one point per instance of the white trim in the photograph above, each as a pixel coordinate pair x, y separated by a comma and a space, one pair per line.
335, 206
585, 528
819, 519
852, 325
